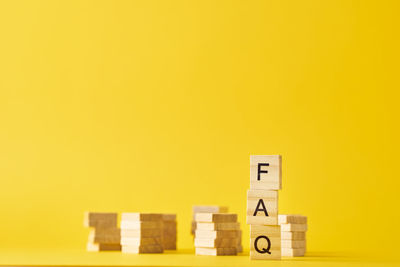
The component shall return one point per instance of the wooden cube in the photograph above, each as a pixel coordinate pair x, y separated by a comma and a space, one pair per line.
266, 172
265, 242
262, 207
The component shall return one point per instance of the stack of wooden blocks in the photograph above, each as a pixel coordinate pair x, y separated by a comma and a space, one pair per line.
104, 234
217, 234
142, 233
293, 234
205, 209
262, 206
169, 231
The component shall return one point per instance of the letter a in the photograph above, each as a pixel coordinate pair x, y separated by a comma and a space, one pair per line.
260, 202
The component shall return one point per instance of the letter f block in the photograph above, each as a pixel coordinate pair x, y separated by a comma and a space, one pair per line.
266, 172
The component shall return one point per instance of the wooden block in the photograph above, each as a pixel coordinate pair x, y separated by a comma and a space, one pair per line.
212, 209
103, 247
216, 251
266, 172
296, 219
218, 226
151, 232
262, 207
290, 227
139, 241
293, 235
106, 231
293, 243
168, 217
100, 219
293, 252
136, 216
207, 234
169, 245
216, 217
216, 242
142, 249
141, 224
94, 237
265, 242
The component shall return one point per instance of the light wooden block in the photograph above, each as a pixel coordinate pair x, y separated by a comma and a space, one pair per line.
290, 227
296, 219
216, 243
218, 226
293, 252
112, 238
103, 247
293, 243
141, 224
269, 177
136, 216
216, 217
265, 242
139, 241
151, 232
168, 217
142, 249
262, 207
293, 235
207, 234
216, 251
100, 219
211, 209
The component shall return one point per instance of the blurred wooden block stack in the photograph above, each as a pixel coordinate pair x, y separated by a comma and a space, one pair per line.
104, 234
217, 234
142, 233
293, 235
205, 209
169, 231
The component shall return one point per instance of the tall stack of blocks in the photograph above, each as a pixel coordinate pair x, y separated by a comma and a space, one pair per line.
262, 206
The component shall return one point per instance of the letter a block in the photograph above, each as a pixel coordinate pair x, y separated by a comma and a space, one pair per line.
265, 242
262, 207
266, 172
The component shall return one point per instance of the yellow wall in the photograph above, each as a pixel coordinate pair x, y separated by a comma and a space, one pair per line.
157, 105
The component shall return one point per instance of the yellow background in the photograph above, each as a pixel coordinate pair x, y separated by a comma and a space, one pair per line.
155, 106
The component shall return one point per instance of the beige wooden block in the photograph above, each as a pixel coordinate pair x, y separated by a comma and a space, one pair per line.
100, 219
216, 217
168, 217
207, 234
216, 251
218, 226
151, 232
262, 207
293, 243
266, 172
216, 243
136, 216
103, 247
290, 227
139, 241
293, 235
141, 224
265, 242
142, 249
296, 219
212, 209
293, 252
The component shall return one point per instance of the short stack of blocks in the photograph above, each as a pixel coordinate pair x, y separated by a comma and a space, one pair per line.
104, 234
205, 209
293, 234
142, 233
262, 206
217, 234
